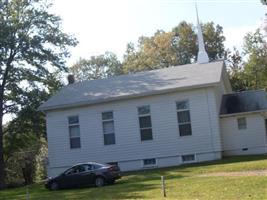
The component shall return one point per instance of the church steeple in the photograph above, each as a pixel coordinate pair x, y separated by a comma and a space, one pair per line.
202, 56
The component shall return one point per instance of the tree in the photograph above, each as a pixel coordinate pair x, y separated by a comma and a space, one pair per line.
32, 45
97, 67
214, 39
24, 138
177, 47
153, 53
255, 68
234, 63
185, 43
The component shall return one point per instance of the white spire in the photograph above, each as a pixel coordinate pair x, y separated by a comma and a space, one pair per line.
202, 56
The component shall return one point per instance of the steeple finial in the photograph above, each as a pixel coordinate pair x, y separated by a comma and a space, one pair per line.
202, 56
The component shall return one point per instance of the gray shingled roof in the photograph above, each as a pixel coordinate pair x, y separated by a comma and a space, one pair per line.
246, 101
134, 85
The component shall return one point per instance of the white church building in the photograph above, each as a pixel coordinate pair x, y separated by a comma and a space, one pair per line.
159, 118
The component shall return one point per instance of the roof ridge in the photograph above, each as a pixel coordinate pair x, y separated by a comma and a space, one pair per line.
159, 81
142, 72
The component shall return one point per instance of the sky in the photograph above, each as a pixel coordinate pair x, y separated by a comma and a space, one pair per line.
108, 25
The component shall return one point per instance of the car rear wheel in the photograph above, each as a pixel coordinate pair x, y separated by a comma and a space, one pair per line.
54, 186
99, 181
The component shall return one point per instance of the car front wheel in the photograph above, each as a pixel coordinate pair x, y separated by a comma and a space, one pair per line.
99, 181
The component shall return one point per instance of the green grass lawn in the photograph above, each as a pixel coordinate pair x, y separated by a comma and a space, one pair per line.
181, 183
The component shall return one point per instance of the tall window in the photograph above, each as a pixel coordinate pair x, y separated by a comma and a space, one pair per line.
108, 128
145, 123
183, 117
242, 123
74, 132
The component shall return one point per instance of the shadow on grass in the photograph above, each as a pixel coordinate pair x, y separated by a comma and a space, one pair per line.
132, 187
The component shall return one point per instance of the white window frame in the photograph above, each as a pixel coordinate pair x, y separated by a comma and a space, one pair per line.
183, 123
151, 165
108, 120
146, 128
238, 124
73, 125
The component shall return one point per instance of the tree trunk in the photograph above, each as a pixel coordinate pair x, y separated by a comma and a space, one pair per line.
29, 166
2, 90
2, 163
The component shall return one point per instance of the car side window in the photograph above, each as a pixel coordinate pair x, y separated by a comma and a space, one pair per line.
71, 171
90, 167
81, 168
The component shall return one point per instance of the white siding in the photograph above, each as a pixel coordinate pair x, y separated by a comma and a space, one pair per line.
253, 138
129, 150
222, 88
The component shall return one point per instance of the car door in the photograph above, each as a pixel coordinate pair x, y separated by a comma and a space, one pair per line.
70, 178
86, 174
91, 174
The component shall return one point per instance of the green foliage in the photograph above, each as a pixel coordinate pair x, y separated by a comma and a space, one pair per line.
97, 67
30, 40
255, 68
177, 47
185, 43
249, 70
154, 52
32, 46
214, 39
24, 140
235, 70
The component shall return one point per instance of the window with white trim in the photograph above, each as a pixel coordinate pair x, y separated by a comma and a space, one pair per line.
242, 123
149, 162
145, 123
183, 117
188, 158
108, 128
74, 132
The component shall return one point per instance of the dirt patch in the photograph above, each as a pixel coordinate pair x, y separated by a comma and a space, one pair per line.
243, 173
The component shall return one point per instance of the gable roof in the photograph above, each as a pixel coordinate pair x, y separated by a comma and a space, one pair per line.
242, 102
136, 85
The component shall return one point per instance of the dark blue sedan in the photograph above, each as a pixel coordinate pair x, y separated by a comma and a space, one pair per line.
84, 174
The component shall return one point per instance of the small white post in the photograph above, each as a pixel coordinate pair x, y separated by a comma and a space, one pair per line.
163, 186
27, 193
